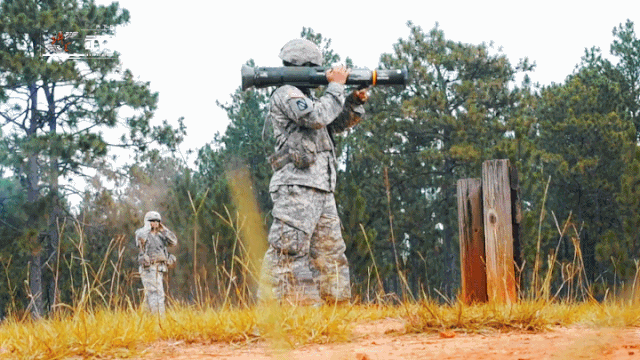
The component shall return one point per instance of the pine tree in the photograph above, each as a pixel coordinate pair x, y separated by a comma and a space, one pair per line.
55, 114
586, 140
452, 116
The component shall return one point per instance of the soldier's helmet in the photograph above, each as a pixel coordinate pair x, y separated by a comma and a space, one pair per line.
301, 52
151, 215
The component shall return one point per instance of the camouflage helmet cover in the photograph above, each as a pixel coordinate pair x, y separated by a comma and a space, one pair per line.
300, 52
152, 215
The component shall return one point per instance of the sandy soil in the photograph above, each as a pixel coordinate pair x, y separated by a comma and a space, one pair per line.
385, 339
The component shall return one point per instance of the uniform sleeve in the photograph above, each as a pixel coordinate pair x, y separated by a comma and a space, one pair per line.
141, 234
352, 113
306, 112
169, 237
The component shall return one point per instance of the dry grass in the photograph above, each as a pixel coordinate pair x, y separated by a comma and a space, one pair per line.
125, 333
534, 316
86, 334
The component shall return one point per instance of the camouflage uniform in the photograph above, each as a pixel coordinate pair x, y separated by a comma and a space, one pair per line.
305, 262
153, 260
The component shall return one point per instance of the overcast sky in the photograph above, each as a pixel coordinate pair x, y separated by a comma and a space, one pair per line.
191, 51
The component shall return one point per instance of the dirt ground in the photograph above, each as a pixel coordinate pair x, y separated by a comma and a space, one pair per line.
385, 339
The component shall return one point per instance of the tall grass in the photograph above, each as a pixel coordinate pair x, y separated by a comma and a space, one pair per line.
527, 315
101, 332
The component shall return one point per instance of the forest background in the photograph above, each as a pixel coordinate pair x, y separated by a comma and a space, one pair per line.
575, 145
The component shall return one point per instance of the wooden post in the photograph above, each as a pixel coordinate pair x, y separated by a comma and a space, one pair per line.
472, 247
498, 226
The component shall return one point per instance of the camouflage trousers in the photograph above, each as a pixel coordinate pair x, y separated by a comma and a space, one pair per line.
305, 262
152, 280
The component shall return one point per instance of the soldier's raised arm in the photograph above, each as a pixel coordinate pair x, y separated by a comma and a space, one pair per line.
169, 236
352, 111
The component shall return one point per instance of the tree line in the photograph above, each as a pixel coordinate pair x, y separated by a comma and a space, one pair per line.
575, 145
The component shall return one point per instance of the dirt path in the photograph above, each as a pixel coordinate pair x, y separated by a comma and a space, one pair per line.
384, 339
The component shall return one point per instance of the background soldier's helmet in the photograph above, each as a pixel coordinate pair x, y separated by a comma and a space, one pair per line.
151, 215
301, 52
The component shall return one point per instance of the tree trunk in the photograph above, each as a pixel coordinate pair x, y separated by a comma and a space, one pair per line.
56, 209
35, 263
32, 173
36, 302
55, 220
451, 274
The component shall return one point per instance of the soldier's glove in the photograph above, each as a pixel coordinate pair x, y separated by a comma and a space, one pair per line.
171, 261
143, 260
359, 96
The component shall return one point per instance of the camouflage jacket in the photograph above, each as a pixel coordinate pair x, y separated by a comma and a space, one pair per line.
307, 123
155, 244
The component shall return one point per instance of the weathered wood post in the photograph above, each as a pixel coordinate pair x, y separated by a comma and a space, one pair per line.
498, 231
472, 247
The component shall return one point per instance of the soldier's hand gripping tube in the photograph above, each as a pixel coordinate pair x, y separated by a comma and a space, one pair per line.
303, 76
